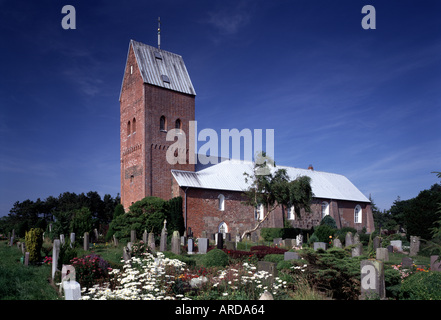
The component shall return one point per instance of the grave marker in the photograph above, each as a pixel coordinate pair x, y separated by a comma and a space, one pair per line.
414, 245
382, 254
337, 243
145, 236
72, 290
72, 239
349, 239
269, 267
372, 280
406, 262
319, 245
133, 236
176, 243
220, 241
86, 241
55, 254
434, 264
62, 239
151, 241
163, 241
26, 261
190, 246
291, 256
357, 250
203, 245
396, 244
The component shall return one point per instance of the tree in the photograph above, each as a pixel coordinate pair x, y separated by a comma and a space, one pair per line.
274, 188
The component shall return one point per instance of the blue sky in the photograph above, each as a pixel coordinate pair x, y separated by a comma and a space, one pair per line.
362, 103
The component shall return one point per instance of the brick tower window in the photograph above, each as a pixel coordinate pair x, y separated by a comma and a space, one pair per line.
162, 123
178, 124
129, 129
134, 125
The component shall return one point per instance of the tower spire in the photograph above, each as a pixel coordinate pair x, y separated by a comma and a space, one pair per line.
159, 32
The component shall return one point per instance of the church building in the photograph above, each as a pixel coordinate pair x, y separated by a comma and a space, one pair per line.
157, 95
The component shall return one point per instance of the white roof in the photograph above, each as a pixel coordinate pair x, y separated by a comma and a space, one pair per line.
229, 175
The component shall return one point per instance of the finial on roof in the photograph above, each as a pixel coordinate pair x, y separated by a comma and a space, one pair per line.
159, 32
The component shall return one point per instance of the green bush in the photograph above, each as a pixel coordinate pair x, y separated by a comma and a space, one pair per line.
34, 242
215, 258
329, 221
274, 258
323, 232
422, 286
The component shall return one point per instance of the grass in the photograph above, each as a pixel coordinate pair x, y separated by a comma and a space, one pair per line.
19, 282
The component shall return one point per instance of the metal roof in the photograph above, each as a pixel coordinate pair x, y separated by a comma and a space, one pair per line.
162, 68
229, 175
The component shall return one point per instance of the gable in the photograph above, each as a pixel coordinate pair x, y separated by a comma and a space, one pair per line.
162, 68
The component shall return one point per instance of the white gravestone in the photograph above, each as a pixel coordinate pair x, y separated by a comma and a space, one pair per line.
372, 280
72, 290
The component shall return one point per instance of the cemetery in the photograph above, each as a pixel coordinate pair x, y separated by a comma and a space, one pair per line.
324, 264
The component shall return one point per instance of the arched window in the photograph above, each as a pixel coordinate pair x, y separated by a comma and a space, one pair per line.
162, 123
129, 129
134, 126
223, 228
291, 213
259, 212
221, 205
178, 124
325, 209
357, 214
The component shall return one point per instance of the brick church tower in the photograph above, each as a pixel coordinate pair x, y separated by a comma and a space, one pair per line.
156, 96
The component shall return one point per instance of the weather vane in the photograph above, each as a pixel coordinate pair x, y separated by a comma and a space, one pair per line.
159, 32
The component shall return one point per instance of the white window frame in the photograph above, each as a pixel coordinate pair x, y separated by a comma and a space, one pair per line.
223, 226
325, 208
358, 214
221, 204
291, 213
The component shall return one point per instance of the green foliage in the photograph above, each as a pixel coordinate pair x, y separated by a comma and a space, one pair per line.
81, 221
329, 221
323, 232
175, 217
215, 258
34, 242
341, 233
313, 238
67, 253
422, 286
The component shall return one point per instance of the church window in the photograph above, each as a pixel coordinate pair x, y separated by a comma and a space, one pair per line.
223, 228
291, 213
162, 123
325, 209
221, 204
178, 124
357, 214
259, 212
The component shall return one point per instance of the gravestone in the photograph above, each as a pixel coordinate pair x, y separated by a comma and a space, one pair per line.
129, 246
230, 245
299, 240
357, 250
270, 267
397, 244
86, 241
72, 239
23, 247
414, 245
227, 236
26, 261
288, 243
190, 246
68, 273
145, 236
390, 248
356, 238
220, 241
349, 239
319, 245
406, 262
126, 254
203, 245
434, 264
382, 254
277, 241
115, 241
151, 241
372, 280
176, 243
337, 243
163, 241
72, 290
377, 243
55, 254
95, 233
291, 256
183, 241
133, 236
266, 296
62, 239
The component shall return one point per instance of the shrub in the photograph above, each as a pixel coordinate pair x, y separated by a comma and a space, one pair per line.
329, 221
274, 258
215, 258
323, 232
34, 242
90, 269
422, 286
